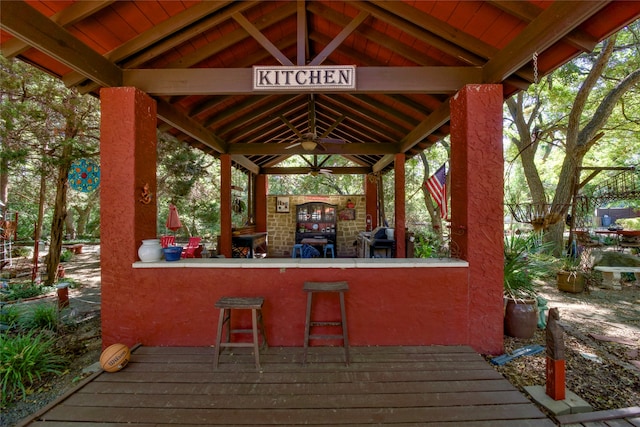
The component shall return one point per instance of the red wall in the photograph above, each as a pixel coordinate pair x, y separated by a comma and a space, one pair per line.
395, 306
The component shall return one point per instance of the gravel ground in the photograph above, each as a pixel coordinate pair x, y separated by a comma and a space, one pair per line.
604, 373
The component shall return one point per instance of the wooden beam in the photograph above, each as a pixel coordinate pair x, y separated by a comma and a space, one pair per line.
169, 114
24, 22
385, 161
353, 170
282, 149
246, 163
301, 32
337, 41
550, 26
155, 34
260, 38
527, 12
65, 18
435, 120
238, 81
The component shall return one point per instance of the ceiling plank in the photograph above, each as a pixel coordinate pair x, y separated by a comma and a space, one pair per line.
260, 38
526, 11
238, 81
337, 41
155, 34
32, 27
169, 114
549, 27
338, 170
65, 18
355, 148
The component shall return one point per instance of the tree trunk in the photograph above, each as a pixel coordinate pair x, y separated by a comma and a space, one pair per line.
432, 208
85, 213
59, 215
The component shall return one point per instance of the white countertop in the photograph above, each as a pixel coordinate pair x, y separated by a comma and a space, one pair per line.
340, 263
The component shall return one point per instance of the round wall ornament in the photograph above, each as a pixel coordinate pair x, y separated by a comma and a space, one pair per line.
84, 175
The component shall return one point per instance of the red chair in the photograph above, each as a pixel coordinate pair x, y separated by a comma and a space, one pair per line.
167, 241
192, 246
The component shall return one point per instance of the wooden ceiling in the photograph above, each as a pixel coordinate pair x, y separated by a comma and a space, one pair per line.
196, 59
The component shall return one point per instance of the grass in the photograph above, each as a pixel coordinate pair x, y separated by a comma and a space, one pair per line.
24, 359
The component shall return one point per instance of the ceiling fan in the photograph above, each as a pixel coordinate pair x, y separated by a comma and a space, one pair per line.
311, 140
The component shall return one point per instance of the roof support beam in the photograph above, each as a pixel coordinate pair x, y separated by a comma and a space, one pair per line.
337, 41
66, 17
32, 27
260, 38
354, 170
553, 24
283, 148
175, 118
238, 81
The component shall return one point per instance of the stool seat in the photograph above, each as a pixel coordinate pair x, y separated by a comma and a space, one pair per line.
226, 305
340, 288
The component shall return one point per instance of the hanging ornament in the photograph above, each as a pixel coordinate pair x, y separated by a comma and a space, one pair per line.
84, 175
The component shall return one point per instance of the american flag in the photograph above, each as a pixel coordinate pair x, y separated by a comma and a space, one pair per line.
437, 186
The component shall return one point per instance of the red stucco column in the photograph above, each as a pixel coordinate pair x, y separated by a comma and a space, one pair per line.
477, 207
400, 203
261, 202
371, 196
128, 212
225, 206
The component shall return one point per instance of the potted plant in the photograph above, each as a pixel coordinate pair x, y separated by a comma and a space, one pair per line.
520, 303
571, 276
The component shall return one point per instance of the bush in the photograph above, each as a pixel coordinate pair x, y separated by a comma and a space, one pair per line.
25, 359
66, 255
9, 316
22, 290
43, 316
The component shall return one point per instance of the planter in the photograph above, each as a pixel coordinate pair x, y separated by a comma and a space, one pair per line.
570, 281
150, 250
520, 318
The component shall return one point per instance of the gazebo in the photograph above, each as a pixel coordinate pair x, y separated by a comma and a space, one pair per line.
253, 83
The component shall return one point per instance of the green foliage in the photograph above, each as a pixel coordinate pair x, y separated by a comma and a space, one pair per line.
9, 315
42, 316
66, 255
629, 223
524, 262
22, 290
24, 359
427, 244
21, 251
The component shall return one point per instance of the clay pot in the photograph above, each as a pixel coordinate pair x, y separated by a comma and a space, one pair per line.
150, 250
521, 318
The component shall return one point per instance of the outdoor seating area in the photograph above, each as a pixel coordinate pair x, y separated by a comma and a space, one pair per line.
382, 385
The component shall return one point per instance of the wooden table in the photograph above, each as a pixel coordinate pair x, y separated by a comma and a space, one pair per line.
315, 242
245, 245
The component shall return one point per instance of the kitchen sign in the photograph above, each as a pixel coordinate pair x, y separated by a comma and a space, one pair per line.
275, 78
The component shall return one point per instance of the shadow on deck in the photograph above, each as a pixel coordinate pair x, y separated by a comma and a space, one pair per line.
426, 386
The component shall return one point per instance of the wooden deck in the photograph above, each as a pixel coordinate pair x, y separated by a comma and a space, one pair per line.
409, 386
623, 417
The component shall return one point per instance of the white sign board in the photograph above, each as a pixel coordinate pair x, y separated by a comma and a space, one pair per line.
282, 78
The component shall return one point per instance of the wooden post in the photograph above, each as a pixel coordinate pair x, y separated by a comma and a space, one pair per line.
555, 357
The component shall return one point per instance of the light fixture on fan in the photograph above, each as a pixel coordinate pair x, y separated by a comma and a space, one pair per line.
308, 145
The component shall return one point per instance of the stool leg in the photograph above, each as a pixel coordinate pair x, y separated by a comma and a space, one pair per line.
345, 336
307, 325
265, 344
254, 326
218, 339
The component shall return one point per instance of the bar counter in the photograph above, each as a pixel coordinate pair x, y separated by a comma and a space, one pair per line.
340, 263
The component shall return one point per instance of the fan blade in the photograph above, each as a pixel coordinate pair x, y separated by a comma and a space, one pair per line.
293, 145
326, 171
332, 140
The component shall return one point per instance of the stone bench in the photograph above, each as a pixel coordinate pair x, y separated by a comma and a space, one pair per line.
611, 275
75, 248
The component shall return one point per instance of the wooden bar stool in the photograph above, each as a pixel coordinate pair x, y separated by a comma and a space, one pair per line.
226, 305
311, 288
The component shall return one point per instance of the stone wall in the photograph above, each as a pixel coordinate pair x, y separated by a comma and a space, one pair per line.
282, 226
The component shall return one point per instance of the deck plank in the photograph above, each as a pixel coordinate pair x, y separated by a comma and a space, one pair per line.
426, 386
